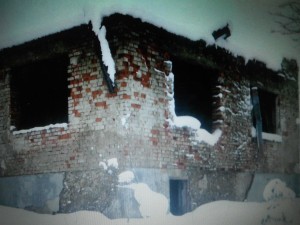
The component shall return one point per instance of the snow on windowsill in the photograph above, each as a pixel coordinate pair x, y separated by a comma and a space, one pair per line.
188, 121
267, 136
201, 134
57, 125
193, 123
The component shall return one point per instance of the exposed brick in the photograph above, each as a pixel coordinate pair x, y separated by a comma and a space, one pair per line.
98, 119
77, 96
94, 61
86, 77
143, 107
161, 100
97, 93
154, 140
94, 77
65, 136
101, 104
76, 113
111, 95
125, 96
155, 132
136, 106
123, 84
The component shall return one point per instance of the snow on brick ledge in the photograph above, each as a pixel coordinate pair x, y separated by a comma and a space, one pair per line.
58, 125
267, 136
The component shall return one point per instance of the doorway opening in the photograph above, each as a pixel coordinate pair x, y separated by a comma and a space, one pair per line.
178, 197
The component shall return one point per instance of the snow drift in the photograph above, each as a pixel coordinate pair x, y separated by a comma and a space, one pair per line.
281, 208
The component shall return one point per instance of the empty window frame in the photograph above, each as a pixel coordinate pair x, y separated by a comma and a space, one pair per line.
39, 93
268, 105
193, 91
178, 197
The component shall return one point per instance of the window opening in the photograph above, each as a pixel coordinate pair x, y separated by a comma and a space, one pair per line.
193, 91
268, 108
39, 93
178, 197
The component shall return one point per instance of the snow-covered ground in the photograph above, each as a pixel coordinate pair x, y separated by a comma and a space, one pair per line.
280, 207
286, 211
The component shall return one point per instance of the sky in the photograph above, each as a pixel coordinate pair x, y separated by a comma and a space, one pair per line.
250, 22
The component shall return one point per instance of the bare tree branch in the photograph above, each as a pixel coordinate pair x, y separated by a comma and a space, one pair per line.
288, 19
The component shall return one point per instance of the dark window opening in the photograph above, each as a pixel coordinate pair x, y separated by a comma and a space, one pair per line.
193, 87
267, 103
39, 93
178, 197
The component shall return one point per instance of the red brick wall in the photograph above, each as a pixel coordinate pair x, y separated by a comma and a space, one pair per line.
130, 124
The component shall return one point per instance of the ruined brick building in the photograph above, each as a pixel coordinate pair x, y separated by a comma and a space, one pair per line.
67, 130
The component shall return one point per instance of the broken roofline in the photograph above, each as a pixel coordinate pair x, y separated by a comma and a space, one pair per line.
59, 43
52, 45
45, 47
200, 52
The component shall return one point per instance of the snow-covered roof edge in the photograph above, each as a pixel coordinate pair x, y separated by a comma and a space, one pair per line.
250, 21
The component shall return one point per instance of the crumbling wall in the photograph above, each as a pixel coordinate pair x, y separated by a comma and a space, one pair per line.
132, 124
281, 154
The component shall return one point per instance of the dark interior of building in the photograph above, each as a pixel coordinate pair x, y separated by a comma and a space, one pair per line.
193, 86
40, 93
